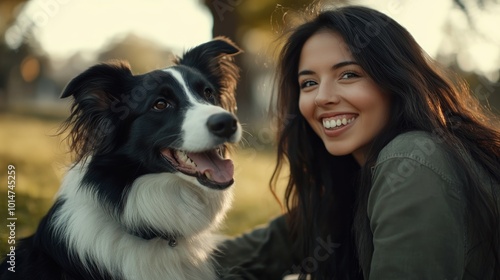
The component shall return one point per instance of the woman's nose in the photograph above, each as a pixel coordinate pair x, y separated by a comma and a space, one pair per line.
326, 95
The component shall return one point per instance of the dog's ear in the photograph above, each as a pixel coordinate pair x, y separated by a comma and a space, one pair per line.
208, 52
98, 80
215, 60
92, 123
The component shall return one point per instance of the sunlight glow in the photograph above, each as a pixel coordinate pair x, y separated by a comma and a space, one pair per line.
64, 27
442, 29
477, 50
424, 19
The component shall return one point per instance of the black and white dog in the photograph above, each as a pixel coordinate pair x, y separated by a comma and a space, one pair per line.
151, 180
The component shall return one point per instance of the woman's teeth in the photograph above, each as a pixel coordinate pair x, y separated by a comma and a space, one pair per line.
332, 123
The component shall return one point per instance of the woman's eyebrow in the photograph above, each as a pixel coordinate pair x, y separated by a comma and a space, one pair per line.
334, 67
306, 72
344, 63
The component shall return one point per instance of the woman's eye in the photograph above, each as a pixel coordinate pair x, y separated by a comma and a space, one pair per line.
162, 104
349, 75
308, 83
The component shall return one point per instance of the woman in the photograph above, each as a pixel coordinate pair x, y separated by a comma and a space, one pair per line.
395, 168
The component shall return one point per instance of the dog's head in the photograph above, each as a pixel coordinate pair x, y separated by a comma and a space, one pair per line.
176, 120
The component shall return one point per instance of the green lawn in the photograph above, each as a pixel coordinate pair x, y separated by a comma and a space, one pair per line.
40, 159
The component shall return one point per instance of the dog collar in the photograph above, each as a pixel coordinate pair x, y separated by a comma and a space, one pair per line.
148, 235
172, 239
172, 242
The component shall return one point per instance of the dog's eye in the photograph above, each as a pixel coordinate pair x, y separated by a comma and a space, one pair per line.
162, 104
209, 94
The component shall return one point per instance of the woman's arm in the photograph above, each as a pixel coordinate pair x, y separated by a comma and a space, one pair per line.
417, 220
264, 253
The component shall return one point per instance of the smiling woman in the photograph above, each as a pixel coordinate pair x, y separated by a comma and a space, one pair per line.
393, 166
328, 75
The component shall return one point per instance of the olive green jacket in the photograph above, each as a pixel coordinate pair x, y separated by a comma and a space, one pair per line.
416, 209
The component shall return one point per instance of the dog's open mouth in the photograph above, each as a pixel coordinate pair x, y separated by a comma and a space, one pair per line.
210, 167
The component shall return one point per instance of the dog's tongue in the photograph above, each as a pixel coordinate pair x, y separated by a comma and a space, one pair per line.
220, 169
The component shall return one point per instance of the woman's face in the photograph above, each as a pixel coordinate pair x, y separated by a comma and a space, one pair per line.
341, 103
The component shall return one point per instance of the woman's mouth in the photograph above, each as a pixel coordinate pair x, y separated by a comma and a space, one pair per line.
338, 121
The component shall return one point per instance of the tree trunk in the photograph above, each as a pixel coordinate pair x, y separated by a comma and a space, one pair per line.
226, 23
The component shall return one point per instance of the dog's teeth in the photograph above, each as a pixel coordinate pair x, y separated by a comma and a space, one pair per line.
180, 155
208, 175
183, 157
190, 162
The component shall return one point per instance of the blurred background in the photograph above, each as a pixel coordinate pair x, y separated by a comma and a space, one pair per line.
45, 43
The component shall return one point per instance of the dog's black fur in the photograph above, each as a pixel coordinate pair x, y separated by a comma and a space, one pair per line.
149, 181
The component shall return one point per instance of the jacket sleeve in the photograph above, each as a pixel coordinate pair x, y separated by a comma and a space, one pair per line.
416, 217
264, 253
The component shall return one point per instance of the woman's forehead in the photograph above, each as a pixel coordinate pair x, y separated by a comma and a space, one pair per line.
324, 46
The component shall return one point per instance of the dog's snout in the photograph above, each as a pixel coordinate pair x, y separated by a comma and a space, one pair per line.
222, 124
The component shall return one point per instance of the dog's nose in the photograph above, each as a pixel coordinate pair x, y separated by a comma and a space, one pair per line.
222, 124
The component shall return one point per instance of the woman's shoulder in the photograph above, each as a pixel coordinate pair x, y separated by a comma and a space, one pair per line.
422, 148
419, 145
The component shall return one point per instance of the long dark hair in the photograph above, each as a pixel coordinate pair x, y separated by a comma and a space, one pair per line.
326, 195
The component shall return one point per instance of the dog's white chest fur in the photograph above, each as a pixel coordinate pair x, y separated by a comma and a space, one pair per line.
92, 233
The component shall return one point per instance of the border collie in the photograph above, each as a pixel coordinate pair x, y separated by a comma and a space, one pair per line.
151, 180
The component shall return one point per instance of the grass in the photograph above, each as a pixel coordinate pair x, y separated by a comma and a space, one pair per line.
40, 159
